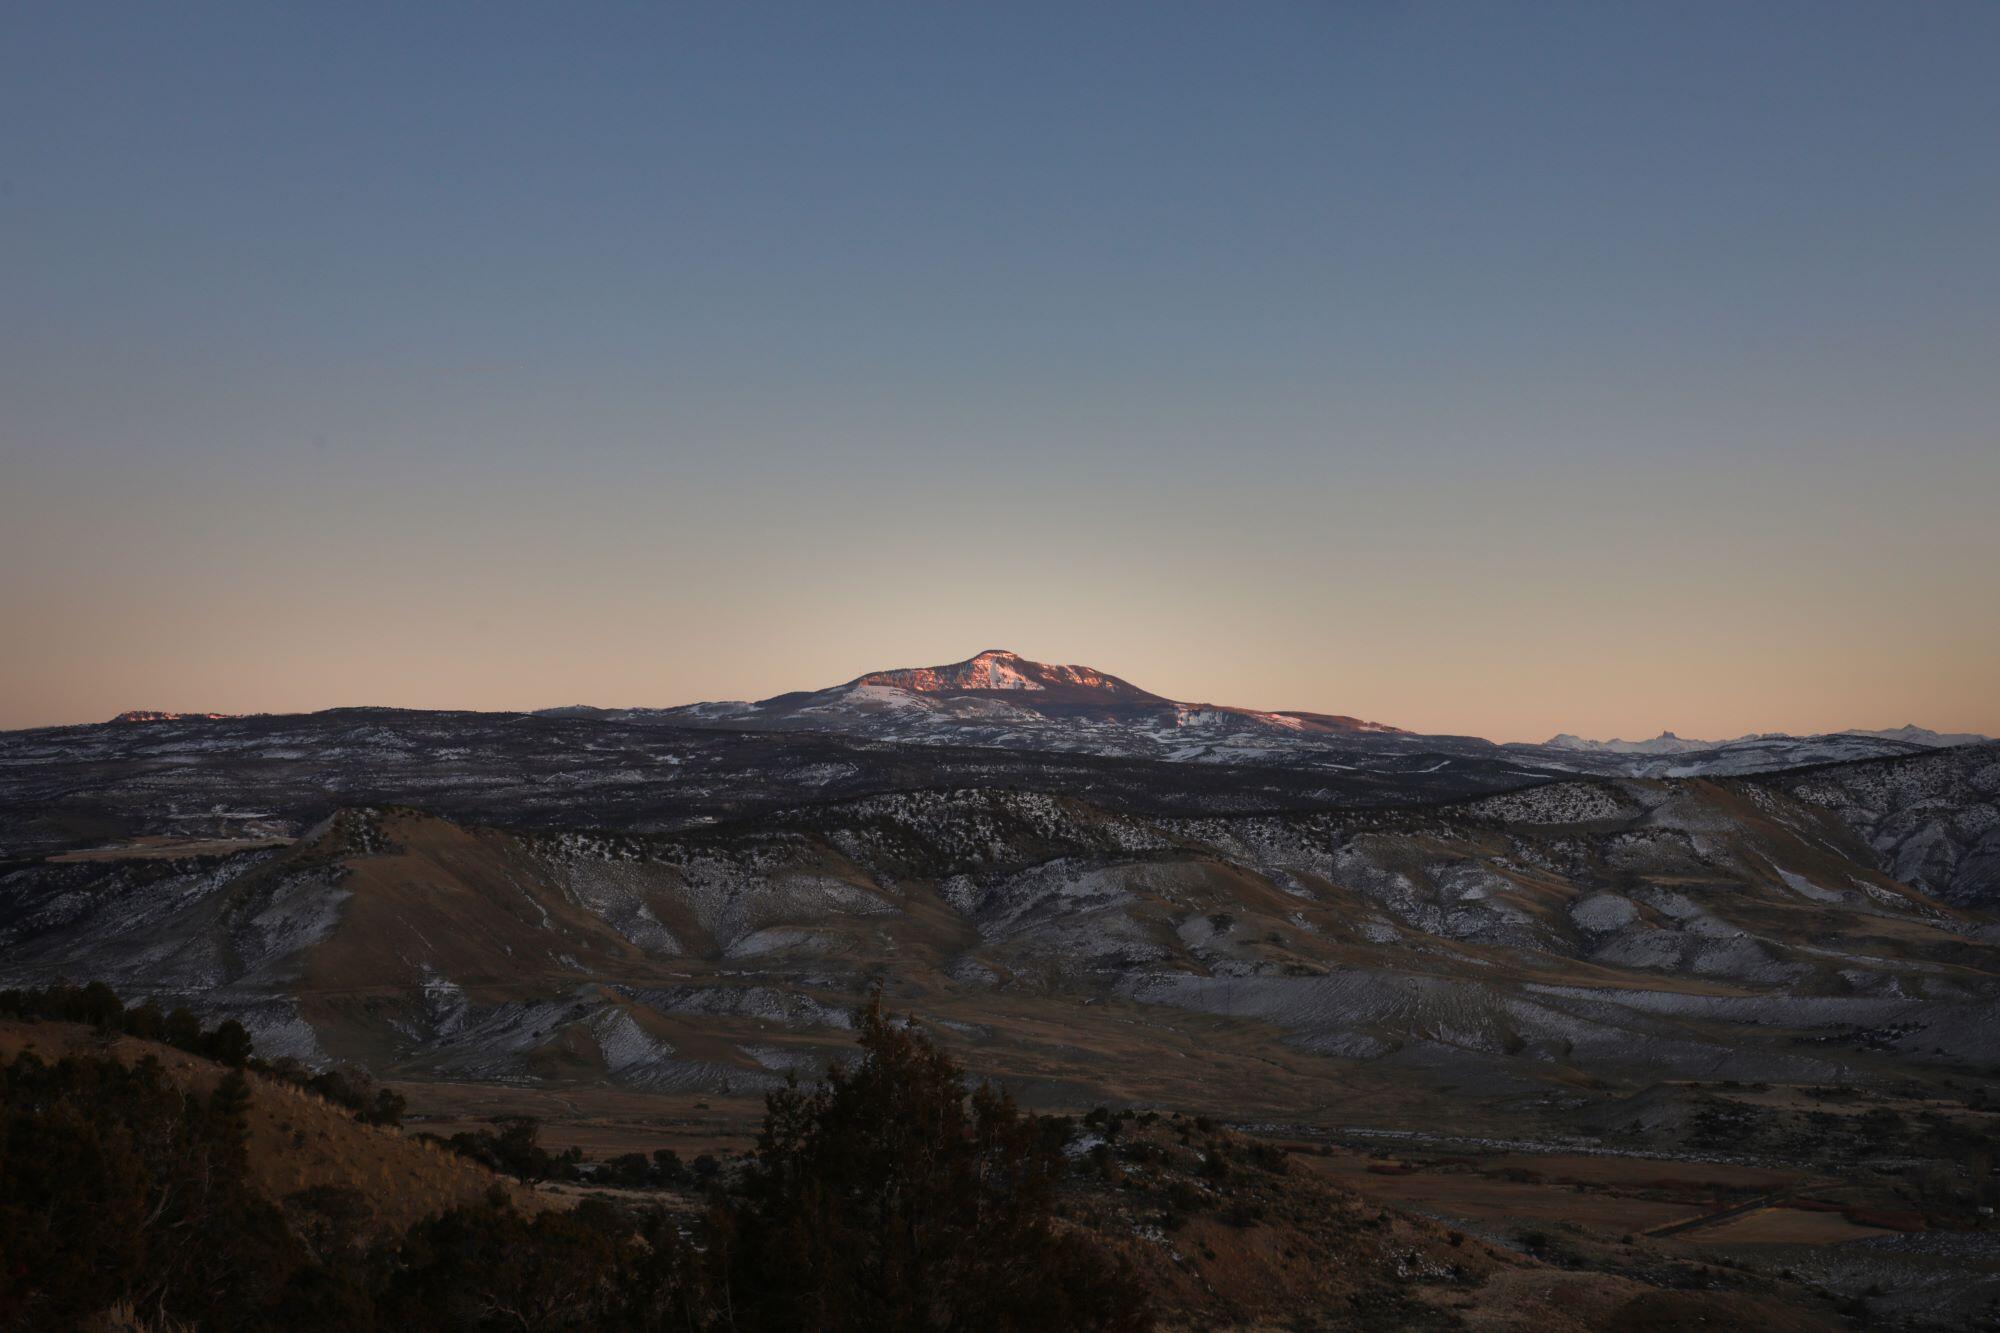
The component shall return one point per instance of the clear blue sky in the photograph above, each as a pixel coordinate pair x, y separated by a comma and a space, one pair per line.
1491, 368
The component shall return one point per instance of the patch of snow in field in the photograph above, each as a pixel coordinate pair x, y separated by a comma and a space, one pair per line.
623, 1043
1602, 912
1805, 888
445, 1006
788, 1007
772, 939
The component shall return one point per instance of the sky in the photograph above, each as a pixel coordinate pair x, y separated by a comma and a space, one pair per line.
1485, 369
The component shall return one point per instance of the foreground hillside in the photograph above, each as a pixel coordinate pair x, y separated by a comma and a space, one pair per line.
295, 1140
884, 1198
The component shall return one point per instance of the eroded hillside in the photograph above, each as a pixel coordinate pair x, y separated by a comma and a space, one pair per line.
1552, 948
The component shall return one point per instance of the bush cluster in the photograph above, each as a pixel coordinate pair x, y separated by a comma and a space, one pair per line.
516, 1149
663, 1170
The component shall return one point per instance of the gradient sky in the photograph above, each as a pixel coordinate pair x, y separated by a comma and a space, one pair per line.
1498, 369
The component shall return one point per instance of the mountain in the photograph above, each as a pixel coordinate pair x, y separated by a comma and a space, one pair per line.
156, 715
1665, 743
1000, 698
1078, 692
998, 669
1922, 736
1669, 756
1003, 700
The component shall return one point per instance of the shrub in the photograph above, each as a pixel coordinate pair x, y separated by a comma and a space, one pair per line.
516, 1150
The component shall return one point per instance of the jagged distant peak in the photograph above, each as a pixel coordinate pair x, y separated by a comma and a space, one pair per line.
1668, 743
1001, 669
1917, 735
156, 715
1664, 743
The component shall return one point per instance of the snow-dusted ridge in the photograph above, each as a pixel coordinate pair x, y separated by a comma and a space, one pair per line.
1668, 743
1000, 698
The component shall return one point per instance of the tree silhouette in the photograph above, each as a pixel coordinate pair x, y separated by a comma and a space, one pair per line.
887, 1197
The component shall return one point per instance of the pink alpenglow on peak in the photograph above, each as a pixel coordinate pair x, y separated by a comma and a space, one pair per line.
998, 669
1002, 688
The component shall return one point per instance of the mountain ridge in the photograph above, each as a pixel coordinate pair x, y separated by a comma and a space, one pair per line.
999, 699
1669, 743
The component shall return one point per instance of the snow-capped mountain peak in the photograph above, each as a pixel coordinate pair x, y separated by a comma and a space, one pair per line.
999, 669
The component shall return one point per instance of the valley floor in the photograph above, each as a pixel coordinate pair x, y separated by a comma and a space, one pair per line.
1841, 1227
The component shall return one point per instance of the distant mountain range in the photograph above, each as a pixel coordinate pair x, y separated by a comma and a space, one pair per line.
1001, 699
156, 715
1668, 743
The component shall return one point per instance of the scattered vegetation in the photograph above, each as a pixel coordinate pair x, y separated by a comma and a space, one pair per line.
663, 1170
351, 1088
117, 1184
516, 1150
227, 1043
886, 1197
97, 1004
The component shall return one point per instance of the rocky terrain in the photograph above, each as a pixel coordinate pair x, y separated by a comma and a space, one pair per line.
1933, 820
691, 900
1557, 944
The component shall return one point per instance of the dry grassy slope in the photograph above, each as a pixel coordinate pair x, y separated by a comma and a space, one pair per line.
460, 903
297, 1139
